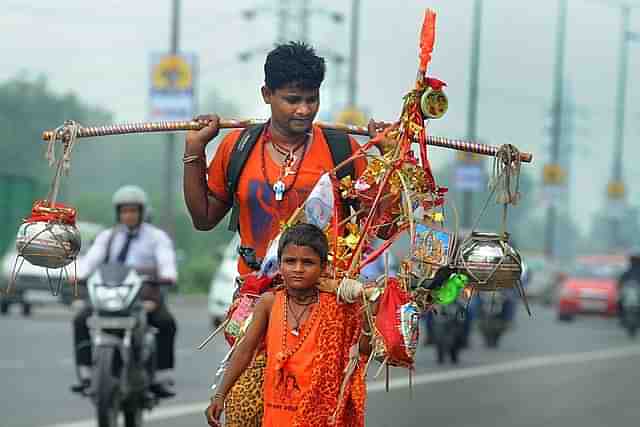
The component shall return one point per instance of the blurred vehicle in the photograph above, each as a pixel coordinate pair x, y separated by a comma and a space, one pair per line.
223, 284
590, 287
123, 346
630, 301
543, 281
448, 332
35, 285
493, 316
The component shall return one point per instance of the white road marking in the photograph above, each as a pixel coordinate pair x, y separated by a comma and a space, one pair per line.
180, 410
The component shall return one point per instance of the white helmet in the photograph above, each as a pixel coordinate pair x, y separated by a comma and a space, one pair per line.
130, 195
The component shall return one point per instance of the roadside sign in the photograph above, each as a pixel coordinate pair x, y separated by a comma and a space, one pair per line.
469, 177
172, 89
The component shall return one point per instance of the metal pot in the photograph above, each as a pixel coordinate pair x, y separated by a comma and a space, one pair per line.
48, 244
489, 261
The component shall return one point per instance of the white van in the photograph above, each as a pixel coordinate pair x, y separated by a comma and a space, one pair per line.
223, 283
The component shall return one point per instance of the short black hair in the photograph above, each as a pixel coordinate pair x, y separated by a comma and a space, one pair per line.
307, 235
293, 62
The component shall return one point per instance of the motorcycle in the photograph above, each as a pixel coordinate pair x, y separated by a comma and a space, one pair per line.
123, 347
630, 309
448, 332
491, 317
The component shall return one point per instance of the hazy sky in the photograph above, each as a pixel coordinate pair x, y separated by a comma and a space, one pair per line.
101, 50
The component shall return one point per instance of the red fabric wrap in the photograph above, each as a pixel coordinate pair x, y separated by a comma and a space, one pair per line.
388, 323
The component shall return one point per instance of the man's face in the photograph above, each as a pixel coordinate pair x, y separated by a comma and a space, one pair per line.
293, 109
130, 215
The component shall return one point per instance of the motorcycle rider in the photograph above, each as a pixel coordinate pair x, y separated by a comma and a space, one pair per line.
631, 277
150, 251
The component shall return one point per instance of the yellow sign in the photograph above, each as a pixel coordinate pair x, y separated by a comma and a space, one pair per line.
553, 174
172, 73
352, 116
616, 190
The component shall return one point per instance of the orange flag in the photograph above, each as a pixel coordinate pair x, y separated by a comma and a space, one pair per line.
427, 39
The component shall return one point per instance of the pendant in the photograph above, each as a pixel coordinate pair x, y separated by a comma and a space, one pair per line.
295, 332
279, 189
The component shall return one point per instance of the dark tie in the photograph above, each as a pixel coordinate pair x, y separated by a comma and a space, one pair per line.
122, 256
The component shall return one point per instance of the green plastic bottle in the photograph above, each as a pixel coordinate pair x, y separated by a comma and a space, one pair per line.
449, 292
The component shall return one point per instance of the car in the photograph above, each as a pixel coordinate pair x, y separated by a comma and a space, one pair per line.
36, 285
589, 288
223, 284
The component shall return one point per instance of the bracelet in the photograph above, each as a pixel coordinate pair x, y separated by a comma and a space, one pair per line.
218, 396
192, 158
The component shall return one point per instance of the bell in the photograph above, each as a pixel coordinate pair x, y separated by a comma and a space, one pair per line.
489, 261
48, 244
434, 103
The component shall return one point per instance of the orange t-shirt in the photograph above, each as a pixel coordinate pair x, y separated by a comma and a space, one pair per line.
260, 214
284, 388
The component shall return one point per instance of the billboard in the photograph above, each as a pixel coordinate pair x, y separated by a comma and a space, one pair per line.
173, 85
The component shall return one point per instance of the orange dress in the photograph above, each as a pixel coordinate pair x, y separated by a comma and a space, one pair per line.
286, 383
302, 389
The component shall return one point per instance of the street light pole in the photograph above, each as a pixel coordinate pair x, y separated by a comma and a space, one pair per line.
616, 187
353, 54
170, 187
472, 114
558, 107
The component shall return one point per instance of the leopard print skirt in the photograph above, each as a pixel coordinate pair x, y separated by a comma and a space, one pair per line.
244, 405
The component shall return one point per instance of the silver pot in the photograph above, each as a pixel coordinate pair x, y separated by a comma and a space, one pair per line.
489, 261
48, 244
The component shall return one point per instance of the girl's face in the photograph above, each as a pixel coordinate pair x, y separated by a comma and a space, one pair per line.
300, 267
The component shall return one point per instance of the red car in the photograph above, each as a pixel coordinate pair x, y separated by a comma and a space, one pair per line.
589, 288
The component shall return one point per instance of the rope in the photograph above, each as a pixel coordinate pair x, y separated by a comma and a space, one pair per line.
349, 291
68, 135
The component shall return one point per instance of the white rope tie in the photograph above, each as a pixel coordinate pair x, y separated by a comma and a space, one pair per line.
349, 291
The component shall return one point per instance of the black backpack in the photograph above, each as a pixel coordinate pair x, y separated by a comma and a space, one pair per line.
339, 147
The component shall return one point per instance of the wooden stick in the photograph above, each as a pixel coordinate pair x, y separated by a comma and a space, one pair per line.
175, 126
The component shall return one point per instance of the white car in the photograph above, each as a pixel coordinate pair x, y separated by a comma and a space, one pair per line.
33, 284
223, 284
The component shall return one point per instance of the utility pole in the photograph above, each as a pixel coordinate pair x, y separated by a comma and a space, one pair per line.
616, 189
472, 114
170, 216
556, 131
353, 54
304, 21
284, 9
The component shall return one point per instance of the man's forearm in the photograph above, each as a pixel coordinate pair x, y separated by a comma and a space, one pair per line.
195, 192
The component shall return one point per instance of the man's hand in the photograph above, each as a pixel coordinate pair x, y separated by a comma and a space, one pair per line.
375, 128
213, 412
203, 136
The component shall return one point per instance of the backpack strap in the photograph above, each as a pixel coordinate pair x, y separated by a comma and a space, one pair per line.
340, 147
239, 155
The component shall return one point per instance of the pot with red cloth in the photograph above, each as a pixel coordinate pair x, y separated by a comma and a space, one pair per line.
49, 237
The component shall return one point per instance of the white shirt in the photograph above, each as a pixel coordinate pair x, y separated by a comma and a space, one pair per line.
152, 248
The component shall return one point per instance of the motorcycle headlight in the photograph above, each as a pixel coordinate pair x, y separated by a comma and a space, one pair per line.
112, 298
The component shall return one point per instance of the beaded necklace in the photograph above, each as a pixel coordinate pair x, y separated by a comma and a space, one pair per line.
285, 353
287, 168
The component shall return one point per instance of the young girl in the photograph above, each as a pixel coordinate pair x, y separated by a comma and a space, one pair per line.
308, 336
